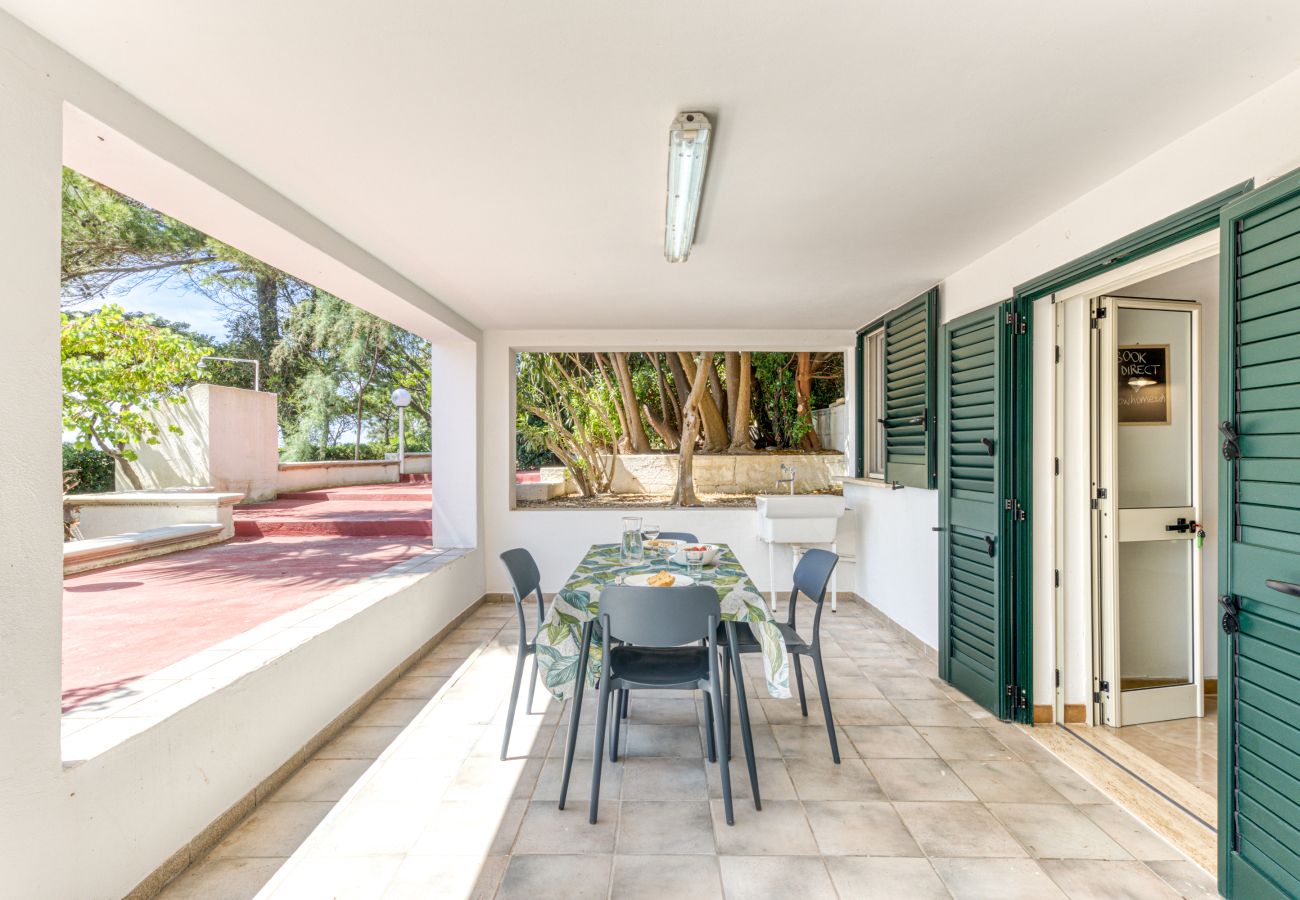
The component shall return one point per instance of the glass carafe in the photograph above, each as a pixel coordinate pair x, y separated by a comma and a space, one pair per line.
633, 547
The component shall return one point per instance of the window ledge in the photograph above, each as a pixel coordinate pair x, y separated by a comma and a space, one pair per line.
869, 482
103, 722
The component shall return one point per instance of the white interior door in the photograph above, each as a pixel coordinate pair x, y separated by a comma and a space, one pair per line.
1147, 490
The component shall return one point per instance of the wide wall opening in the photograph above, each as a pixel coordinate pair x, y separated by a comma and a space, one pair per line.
239, 446
676, 428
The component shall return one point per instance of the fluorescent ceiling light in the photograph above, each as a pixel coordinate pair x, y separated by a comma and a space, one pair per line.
688, 152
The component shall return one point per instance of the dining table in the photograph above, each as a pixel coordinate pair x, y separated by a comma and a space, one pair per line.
568, 642
559, 641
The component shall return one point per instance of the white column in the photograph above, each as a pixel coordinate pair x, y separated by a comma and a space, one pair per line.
31, 563
456, 460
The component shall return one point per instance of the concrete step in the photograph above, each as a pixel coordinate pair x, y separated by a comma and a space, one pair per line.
397, 495
355, 526
96, 553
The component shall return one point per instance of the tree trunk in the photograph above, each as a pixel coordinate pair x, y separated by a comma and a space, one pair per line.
684, 494
667, 405
715, 427
618, 406
667, 433
739, 396
631, 409
718, 393
267, 287
803, 401
681, 384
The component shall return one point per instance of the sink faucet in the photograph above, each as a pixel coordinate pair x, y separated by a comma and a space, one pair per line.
787, 477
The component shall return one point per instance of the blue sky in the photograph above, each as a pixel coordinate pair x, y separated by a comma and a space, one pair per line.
172, 299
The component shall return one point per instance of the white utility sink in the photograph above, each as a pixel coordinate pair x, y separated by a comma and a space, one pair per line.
799, 518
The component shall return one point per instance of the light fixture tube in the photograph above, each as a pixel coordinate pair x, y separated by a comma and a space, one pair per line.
688, 153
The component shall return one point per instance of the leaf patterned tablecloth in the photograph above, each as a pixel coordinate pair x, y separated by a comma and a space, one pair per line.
560, 640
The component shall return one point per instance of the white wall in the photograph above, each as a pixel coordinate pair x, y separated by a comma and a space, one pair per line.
1258, 139
558, 538
228, 441
96, 829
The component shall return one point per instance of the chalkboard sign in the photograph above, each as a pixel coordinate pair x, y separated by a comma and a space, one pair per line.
1143, 384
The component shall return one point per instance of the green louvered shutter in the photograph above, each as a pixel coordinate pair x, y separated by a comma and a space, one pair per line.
909, 392
1259, 520
971, 422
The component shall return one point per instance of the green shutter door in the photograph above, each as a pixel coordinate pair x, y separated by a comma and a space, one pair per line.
1259, 520
909, 392
972, 374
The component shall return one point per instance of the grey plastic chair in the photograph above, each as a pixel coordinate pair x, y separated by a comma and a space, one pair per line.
810, 579
652, 638
678, 536
525, 579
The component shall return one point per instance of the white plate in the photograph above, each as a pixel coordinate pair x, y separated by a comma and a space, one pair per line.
640, 580
658, 545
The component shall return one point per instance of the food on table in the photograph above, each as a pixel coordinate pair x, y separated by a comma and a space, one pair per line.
661, 579
661, 545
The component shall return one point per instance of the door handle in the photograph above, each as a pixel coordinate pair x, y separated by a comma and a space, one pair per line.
1231, 447
1284, 587
988, 445
988, 543
1182, 526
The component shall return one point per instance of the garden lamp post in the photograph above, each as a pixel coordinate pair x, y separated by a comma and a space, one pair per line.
401, 398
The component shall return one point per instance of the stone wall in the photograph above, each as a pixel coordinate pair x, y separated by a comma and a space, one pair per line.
656, 473
315, 476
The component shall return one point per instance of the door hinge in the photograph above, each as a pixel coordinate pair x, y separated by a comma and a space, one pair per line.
1056, 465
1058, 677
1018, 325
1103, 688
1098, 497
1056, 577
1058, 353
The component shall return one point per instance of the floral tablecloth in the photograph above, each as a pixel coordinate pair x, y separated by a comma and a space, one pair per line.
560, 640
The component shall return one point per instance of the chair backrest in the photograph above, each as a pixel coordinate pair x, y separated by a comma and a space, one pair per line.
810, 579
525, 579
678, 536
660, 617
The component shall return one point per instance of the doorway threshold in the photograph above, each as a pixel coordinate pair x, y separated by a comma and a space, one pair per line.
1166, 803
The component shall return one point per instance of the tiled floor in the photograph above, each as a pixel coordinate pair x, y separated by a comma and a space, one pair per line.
934, 798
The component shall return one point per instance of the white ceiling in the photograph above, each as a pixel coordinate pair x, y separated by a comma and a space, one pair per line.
509, 157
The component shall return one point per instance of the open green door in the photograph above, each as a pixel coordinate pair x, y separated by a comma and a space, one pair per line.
1259, 521
972, 412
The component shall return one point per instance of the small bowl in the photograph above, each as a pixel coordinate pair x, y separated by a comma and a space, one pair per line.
710, 553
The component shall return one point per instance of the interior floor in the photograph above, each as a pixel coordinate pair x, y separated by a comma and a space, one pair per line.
1187, 747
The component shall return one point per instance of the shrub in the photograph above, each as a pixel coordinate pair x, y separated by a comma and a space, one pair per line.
93, 469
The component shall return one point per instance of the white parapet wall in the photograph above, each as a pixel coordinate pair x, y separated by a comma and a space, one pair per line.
755, 473
228, 442
416, 463
128, 512
293, 477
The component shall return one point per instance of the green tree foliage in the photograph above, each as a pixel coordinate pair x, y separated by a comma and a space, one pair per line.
116, 370
332, 365
89, 471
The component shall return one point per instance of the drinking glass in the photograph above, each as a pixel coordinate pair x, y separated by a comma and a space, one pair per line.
651, 533
633, 549
694, 561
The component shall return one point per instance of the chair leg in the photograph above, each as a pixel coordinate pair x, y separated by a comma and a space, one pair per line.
746, 736
532, 683
514, 698
709, 732
724, 769
613, 732
798, 677
598, 755
726, 695
826, 705
627, 699
574, 714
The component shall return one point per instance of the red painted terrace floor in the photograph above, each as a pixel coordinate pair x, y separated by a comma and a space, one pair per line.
126, 622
